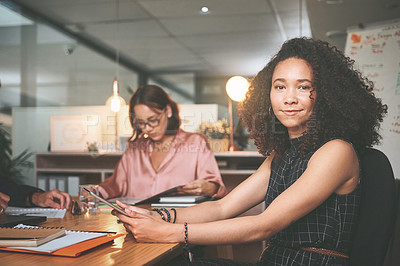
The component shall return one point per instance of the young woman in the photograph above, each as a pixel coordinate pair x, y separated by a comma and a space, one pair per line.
161, 156
311, 113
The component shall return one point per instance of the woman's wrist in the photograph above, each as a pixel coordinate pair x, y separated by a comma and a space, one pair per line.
175, 233
212, 188
168, 215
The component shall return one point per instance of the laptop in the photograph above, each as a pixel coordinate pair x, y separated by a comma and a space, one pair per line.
8, 220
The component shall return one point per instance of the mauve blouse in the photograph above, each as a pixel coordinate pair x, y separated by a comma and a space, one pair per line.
189, 158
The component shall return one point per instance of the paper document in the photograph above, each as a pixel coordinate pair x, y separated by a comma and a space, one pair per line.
184, 199
48, 212
172, 204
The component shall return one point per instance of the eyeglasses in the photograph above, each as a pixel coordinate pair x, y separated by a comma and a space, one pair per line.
152, 122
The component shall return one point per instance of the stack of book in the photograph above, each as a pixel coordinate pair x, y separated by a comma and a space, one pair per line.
28, 237
51, 241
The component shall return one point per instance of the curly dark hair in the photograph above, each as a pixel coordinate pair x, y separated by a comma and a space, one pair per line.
345, 105
157, 99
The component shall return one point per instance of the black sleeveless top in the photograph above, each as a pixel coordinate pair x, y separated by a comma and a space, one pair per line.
329, 226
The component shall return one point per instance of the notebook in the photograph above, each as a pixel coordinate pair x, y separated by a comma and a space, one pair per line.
48, 212
180, 201
28, 237
72, 244
184, 199
8, 220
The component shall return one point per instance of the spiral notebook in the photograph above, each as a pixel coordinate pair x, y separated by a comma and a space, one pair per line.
28, 237
48, 212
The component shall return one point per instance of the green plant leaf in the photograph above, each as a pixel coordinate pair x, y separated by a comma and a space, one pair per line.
9, 166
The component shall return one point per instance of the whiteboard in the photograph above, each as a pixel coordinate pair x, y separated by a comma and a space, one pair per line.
376, 51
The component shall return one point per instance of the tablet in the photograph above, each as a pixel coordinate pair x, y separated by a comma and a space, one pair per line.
117, 208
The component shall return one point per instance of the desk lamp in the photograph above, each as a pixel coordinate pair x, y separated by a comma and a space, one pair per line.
236, 88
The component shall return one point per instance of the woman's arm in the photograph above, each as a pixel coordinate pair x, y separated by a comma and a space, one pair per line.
207, 177
148, 226
332, 168
245, 196
116, 185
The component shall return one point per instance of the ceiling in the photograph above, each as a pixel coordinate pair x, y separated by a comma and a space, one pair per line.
236, 37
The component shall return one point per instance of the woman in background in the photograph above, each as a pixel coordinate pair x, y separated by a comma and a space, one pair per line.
160, 155
311, 113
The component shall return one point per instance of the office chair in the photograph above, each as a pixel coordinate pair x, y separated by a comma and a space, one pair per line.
377, 211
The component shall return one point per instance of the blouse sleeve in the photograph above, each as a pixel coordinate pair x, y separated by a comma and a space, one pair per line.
116, 185
207, 167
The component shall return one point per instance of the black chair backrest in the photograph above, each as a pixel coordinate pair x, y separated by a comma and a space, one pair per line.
377, 212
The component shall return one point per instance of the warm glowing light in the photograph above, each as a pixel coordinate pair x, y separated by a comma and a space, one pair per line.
115, 87
236, 88
115, 101
204, 9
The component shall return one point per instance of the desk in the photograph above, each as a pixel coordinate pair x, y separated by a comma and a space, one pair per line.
92, 168
124, 251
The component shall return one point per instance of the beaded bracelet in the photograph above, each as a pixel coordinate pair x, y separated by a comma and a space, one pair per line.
167, 213
160, 213
186, 247
172, 209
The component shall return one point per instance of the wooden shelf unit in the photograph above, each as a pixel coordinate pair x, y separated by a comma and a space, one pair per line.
102, 165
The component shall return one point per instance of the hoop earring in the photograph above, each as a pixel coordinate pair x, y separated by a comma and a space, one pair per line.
271, 113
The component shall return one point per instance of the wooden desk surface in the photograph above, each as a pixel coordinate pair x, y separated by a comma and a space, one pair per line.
123, 251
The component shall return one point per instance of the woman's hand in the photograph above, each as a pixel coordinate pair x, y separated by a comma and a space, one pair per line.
199, 187
4, 199
145, 226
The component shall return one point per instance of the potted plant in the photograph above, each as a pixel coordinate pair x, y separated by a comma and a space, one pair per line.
9, 166
217, 134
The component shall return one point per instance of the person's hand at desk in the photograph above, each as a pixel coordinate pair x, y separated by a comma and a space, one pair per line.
54, 198
199, 187
4, 199
145, 225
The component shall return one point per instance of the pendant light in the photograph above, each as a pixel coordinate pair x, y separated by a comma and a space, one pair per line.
115, 101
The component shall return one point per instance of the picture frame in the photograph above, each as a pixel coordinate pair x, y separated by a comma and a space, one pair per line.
73, 133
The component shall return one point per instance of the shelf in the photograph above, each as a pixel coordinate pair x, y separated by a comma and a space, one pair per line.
72, 170
235, 164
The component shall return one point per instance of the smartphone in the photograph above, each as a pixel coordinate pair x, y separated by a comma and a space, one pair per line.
117, 208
